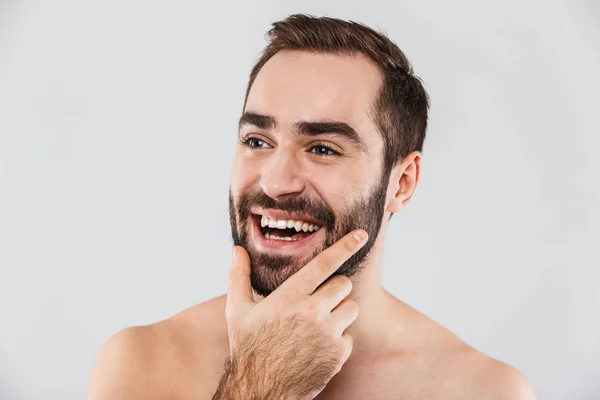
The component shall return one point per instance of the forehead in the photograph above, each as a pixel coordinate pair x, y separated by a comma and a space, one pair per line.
297, 85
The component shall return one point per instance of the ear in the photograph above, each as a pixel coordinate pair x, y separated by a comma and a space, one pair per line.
403, 182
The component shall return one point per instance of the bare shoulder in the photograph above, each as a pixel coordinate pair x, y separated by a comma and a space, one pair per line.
173, 358
494, 379
458, 368
124, 367
478, 376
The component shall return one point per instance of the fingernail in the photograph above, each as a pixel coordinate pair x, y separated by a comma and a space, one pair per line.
234, 253
360, 236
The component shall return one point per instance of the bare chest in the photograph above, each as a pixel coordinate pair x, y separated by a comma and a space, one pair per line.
384, 381
405, 378
391, 386
413, 377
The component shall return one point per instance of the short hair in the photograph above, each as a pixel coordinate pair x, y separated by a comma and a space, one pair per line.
401, 107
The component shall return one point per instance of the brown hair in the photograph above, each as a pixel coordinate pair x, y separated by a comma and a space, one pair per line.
400, 111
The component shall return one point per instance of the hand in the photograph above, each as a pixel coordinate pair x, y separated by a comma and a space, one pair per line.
290, 344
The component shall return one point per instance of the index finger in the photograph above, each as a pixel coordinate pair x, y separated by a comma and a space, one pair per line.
308, 279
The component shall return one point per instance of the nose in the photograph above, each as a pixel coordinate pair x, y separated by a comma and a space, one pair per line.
281, 176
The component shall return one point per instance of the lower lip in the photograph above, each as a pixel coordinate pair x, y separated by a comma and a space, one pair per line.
283, 246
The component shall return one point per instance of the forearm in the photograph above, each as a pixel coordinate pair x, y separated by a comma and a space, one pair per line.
228, 389
232, 385
247, 383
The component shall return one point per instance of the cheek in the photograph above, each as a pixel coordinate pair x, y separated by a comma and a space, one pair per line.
341, 188
343, 180
333, 191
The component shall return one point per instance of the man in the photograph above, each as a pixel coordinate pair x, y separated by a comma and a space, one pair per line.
330, 143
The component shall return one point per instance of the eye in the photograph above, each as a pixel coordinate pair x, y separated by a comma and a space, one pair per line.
254, 143
323, 150
257, 143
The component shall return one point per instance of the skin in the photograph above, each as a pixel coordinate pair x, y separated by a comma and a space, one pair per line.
302, 320
395, 352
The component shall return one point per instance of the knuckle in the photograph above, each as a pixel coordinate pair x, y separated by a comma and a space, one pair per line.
336, 286
306, 276
322, 264
342, 345
235, 275
339, 284
348, 309
306, 319
345, 282
350, 304
232, 276
348, 344
231, 282
349, 245
352, 310
310, 312
339, 346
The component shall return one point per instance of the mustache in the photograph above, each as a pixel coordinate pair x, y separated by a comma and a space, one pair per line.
300, 204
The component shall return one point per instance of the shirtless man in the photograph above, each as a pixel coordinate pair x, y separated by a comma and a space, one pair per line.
330, 144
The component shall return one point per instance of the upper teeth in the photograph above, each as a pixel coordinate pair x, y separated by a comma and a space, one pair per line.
288, 223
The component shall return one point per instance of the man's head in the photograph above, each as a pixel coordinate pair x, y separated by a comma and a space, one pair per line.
329, 141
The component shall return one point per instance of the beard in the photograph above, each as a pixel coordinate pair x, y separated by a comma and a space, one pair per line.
269, 271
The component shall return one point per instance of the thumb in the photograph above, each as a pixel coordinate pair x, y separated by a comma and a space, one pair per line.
239, 289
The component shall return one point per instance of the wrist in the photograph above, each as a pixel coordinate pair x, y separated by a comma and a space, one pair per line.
231, 385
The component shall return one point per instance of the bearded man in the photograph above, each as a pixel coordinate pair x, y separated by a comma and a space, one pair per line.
330, 143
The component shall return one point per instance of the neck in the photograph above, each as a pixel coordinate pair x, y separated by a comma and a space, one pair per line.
371, 331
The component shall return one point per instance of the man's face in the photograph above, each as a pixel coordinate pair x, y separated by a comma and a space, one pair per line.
308, 166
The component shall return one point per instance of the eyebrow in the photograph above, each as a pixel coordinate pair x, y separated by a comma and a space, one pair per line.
306, 128
265, 122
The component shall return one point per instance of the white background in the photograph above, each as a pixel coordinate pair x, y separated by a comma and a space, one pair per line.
117, 132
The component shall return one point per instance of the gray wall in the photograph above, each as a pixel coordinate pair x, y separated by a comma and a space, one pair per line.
117, 131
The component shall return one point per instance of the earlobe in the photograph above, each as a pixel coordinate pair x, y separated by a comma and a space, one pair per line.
404, 179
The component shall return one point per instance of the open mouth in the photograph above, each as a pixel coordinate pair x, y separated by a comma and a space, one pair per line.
284, 229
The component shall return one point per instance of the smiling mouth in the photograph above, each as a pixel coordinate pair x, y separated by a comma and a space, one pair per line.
284, 229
